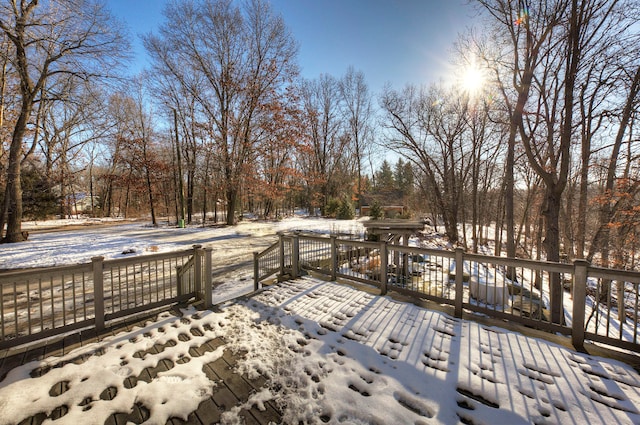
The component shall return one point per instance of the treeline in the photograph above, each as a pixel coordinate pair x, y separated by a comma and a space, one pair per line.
539, 156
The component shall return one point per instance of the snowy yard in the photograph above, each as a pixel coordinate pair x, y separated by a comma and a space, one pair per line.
331, 353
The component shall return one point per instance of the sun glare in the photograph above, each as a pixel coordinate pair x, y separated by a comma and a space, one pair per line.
472, 80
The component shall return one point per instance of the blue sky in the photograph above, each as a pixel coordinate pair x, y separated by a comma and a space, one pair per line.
395, 41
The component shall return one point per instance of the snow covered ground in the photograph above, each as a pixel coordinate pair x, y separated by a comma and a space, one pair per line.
332, 353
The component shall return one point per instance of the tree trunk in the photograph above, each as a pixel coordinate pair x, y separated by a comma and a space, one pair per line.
190, 194
552, 247
215, 207
451, 226
508, 193
108, 204
150, 190
232, 198
179, 162
91, 194
205, 196
583, 198
14, 183
500, 213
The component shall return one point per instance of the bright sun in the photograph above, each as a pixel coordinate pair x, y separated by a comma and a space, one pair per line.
472, 80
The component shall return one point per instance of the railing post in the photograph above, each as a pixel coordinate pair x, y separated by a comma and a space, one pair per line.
282, 253
256, 269
197, 269
295, 256
98, 291
459, 282
334, 257
179, 277
384, 268
208, 281
579, 302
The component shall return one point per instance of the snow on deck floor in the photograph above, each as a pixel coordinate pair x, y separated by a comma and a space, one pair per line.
334, 354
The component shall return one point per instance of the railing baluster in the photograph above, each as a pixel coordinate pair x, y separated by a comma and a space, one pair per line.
29, 320
52, 297
459, 281
98, 291
84, 296
2, 323
64, 301
15, 307
384, 268
73, 294
635, 316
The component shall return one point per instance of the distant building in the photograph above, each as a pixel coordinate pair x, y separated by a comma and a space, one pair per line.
389, 210
77, 203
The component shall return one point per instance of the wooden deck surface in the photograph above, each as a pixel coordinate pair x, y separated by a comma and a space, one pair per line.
231, 389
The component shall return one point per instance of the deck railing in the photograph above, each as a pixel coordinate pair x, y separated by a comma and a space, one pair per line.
276, 259
595, 304
43, 302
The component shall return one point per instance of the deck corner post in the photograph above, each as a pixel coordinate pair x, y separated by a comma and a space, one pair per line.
295, 256
180, 281
282, 255
256, 271
97, 263
459, 281
580, 268
197, 264
208, 282
384, 268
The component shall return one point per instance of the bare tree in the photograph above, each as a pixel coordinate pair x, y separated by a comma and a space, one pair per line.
324, 149
74, 38
526, 38
358, 112
601, 237
65, 129
143, 131
549, 43
235, 56
138, 163
430, 129
191, 132
486, 140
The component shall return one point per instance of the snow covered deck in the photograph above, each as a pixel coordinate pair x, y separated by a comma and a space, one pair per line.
150, 383
314, 351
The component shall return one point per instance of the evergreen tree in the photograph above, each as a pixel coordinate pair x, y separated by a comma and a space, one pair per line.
384, 178
404, 180
39, 200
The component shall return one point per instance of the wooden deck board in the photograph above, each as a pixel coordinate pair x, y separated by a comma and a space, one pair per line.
192, 419
208, 412
223, 397
71, 342
91, 335
31, 355
243, 388
240, 388
54, 349
230, 389
14, 361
